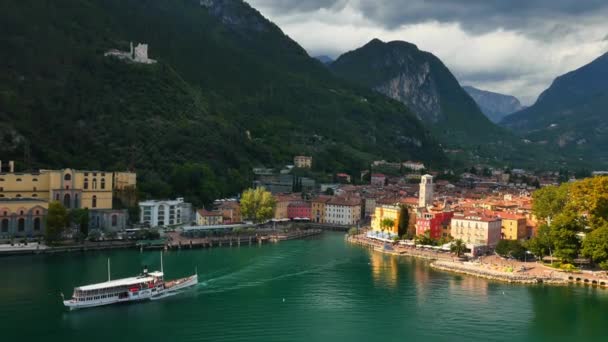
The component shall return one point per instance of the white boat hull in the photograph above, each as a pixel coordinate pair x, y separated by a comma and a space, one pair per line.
171, 287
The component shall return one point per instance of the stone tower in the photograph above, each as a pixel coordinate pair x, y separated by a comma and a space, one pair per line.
425, 195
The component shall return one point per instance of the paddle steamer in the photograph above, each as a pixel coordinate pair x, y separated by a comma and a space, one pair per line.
146, 286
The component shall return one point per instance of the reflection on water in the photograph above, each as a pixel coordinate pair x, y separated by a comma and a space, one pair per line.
384, 268
473, 286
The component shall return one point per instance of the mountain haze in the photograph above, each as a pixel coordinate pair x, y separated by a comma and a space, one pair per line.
571, 116
494, 105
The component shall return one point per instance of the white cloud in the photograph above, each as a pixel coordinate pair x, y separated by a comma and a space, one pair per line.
501, 60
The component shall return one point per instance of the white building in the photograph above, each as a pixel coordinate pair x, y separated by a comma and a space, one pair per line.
412, 165
165, 212
343, 211
425, 194
476, 230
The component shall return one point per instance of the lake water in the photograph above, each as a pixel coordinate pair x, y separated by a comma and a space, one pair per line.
319, 289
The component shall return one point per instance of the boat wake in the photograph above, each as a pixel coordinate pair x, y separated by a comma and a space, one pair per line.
234, 281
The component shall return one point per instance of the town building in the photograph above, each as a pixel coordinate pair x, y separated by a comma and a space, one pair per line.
386, 212
514, 227
477, 230
299, 210
231, 211
74, 189
343, 177
435, 222
276, 184
412, 165
343, 211
318, 208
209, 218
378, 179
425, 194
22, 217
160, 213
282, 203
302, 162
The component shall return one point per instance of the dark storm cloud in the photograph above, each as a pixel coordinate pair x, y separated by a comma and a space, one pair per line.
540, 18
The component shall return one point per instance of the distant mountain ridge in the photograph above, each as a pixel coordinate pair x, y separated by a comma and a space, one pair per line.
420, 80
324, 59
494, 105
571, 116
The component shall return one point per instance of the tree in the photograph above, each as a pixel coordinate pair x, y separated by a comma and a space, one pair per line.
56, 221
404, 220
387, 224
595, 246
511, 248
425, 239
458, 247
257, 205
549, 201
541, 245
80, 217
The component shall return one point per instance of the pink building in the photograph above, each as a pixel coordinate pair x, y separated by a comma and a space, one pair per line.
299, 209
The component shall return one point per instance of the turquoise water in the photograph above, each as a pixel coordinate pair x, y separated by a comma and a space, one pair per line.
310, 290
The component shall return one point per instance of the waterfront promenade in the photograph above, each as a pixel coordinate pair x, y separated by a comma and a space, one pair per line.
489, 267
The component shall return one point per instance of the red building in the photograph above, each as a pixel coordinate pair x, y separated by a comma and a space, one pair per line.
433, 221
299, 209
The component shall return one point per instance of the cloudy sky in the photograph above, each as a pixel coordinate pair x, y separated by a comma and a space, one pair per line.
511, 46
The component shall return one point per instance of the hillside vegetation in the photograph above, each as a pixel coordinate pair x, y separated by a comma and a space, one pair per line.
230, 91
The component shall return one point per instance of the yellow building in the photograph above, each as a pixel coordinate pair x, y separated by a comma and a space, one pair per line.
513, 227
317, 207
302, 162
386, 212
209, 218
72, 188
125, 180
282, 202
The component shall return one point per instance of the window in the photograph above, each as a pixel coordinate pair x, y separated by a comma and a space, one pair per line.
66, 200
35, 189
103, 183
37, 224
94, 183
37, 212
56, 197
67, 177
86, 183
94, 204
34, 179
114, 220
18, 195
1, 188
21, 225
18, 179
21, 212
5, 225
76, 204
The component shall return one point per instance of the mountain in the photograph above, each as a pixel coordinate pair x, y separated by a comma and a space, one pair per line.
229, 91
421, 81
494, 105
570, 116
325, 59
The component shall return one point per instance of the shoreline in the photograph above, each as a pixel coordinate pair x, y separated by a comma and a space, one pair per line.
442, 262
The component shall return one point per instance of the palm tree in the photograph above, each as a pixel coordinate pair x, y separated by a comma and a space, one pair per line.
458, 247
386, 224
